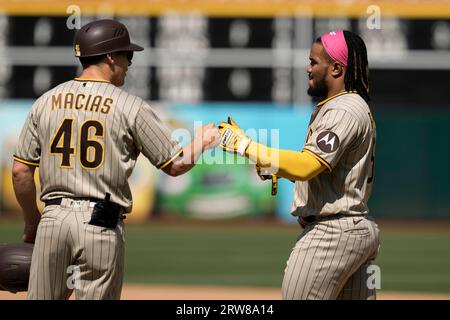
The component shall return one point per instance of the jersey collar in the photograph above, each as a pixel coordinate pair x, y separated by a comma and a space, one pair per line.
321, 103
92, 80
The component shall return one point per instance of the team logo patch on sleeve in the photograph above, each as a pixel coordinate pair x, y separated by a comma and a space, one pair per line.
327, 141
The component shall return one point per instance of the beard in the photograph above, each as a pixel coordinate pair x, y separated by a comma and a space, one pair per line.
320, 90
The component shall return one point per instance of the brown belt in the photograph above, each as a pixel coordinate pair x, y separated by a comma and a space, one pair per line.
312, 219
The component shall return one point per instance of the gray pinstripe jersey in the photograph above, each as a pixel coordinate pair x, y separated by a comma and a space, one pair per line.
341, 134
86, 136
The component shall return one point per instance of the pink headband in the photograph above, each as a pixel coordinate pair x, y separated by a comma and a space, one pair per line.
336, 47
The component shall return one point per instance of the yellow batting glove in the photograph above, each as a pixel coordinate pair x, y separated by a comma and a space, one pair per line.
233, 139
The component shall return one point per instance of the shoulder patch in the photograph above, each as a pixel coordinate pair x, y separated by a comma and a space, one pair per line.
327, 141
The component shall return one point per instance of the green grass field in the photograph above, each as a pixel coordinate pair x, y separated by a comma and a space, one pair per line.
410, 260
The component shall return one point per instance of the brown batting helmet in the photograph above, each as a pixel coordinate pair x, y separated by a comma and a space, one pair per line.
102, 37
15, 262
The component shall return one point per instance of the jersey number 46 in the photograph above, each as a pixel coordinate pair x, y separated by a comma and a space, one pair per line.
90, 145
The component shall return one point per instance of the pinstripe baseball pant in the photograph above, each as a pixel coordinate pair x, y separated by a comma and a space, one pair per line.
330, 260
72, 255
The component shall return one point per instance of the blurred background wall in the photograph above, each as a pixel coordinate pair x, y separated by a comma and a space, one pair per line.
206, 60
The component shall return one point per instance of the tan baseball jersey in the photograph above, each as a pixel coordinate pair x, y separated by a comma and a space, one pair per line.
332, 257
86, 136
341, 135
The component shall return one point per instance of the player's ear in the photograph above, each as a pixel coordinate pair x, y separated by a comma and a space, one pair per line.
110, 58
337, 70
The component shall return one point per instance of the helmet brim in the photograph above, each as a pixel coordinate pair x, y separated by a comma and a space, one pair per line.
132, 47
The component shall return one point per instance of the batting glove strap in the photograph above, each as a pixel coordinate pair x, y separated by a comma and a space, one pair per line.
243, 145
234, 142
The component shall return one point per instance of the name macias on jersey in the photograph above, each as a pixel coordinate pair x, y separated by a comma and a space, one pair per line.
80, 101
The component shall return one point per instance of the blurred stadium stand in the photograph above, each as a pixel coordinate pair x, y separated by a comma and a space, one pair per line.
240, 52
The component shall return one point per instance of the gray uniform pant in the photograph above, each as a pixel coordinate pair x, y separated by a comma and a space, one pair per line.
72, 256
330, 261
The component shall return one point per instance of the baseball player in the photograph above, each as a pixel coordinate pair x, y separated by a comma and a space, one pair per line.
85, 135
333, 176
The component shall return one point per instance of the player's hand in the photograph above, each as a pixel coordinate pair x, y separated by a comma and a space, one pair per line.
208, 135
29, 232
233, 139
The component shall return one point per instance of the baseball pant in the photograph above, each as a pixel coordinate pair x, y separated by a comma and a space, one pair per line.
330, 261
71, 255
